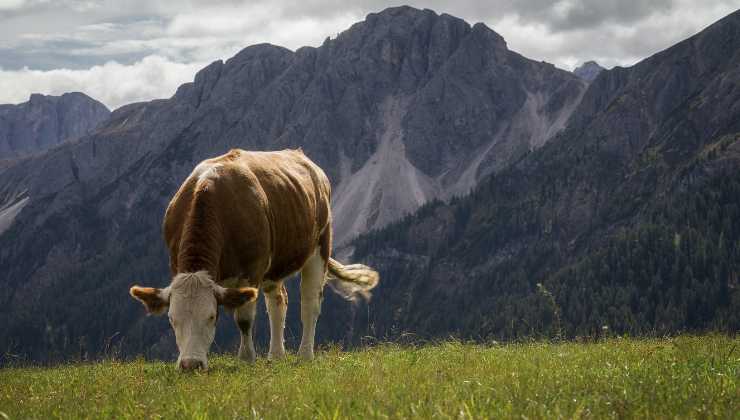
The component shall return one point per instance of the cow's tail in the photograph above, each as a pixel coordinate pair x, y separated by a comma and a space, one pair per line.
353, 280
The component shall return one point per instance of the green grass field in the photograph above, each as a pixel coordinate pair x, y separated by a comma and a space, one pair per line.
685, 377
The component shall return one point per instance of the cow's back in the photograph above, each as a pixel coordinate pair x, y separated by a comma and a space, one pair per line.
298, 197
269, 210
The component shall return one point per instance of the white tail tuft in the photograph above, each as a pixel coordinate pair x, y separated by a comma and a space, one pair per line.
353, 279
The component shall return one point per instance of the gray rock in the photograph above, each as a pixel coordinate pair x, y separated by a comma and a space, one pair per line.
588, 71
45, 121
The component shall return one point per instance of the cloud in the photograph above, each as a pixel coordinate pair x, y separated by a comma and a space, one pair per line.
11, 4
112, 83
569, 15
211, 31
615, 41
247, 24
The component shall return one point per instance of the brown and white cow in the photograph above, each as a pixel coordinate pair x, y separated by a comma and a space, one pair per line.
240, 222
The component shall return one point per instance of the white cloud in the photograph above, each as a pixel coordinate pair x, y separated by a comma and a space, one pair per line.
237, 26
112, 83
11, 4
612, 43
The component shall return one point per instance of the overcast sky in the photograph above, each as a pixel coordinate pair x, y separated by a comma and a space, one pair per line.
122, 51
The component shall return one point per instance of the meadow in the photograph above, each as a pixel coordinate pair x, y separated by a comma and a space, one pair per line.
678, 377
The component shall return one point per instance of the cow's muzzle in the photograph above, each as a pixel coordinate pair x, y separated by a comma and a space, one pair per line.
191, 364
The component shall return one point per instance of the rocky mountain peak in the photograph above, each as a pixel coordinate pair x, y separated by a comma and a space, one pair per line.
489, 34
588, 71
394, 15
44, 121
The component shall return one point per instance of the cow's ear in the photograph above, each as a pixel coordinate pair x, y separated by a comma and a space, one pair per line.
234, 297
156, 301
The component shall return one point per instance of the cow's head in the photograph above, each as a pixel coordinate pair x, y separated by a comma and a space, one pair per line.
191, 302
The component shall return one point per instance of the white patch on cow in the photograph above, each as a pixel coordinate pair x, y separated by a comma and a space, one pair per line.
277, 307
192, 313
204, 171
313, 278
10, 212
208, 172
200, 169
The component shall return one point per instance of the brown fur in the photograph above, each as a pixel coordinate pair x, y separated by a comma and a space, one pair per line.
254, 215
149, 296
235, 297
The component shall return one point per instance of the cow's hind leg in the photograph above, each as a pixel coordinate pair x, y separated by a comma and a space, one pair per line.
244, 317
313, 276
276, 300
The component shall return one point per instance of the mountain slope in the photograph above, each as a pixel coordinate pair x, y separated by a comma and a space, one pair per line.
406, 100
629, 219
45, 121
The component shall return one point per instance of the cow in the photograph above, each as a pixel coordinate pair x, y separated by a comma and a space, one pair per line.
241, 222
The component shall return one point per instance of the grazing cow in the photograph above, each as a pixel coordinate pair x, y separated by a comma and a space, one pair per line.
240, 222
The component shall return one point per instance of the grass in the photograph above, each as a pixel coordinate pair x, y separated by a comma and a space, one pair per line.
684, 377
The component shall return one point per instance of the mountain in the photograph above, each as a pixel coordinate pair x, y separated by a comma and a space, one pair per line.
588, 70
45, 121
405, 107
627, 222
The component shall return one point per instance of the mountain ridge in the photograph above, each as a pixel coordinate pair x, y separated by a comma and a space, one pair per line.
45, 121
588, 71
609, 218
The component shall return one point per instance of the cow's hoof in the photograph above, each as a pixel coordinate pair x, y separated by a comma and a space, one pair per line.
276, 355
305, 354
247, 356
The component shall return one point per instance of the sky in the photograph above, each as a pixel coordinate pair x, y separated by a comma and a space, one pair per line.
123, 51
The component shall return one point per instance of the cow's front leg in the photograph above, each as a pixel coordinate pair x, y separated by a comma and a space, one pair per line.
244, 317
313, 275
276, 300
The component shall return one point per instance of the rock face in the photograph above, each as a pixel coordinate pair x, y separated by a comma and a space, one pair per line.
630, 219
588, 71
45, 121
402, 108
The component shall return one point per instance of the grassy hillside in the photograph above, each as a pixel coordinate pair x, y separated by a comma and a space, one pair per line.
648, 378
